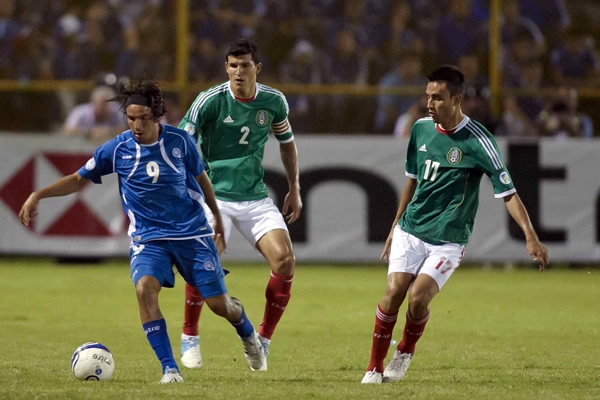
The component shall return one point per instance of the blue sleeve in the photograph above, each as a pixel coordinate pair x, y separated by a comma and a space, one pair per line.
102, 163
193, 160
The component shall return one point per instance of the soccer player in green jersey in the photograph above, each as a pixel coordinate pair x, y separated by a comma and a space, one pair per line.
231, 122
447, 155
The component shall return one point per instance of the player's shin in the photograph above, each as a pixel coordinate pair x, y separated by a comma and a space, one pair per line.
382, 337
413, 330
277, 295
156, 333
192, 310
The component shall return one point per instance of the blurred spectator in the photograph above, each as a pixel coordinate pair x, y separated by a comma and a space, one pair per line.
476, 105
98, 120
279, 36
550, 16
403, 35
457, 33
301, 67
237, 19
476, 102
425, 14
150, 49
206, 63
520, 112
173, 112
521, 48
103, 32
367, 22
74, 58
390, 106
474, 80
562, 120
514, 23
575, 61
404, 123
345, 64
9, 31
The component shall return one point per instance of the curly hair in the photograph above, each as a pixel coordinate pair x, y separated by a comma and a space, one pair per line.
147, 90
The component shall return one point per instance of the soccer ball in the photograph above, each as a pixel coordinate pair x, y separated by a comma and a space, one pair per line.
92, 362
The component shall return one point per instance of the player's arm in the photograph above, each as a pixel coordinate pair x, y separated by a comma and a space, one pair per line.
407, 194
535, 248
64, 186
292, 205
211, 202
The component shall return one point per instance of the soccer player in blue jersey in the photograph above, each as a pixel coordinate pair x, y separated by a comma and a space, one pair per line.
162, 186
447, 155
232, 122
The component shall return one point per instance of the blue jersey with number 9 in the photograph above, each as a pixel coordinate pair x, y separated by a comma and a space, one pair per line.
156, 182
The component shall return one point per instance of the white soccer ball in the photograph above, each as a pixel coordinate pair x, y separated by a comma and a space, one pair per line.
92, 362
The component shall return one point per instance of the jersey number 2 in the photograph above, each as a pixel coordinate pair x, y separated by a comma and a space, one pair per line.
431, 167
245, 132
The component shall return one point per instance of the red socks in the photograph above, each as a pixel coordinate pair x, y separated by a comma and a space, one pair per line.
278, 295
412, 333
382, 337
192, 310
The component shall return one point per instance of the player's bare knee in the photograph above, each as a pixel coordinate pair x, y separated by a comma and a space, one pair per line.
284, 263
418, 303
227, 307
145, 292
393, 298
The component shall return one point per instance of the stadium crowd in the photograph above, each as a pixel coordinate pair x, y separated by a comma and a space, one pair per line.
384, 43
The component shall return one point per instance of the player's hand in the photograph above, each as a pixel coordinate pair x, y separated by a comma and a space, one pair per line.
539, 254
220, 243
385, 255
292, 206
29, 209
219, 236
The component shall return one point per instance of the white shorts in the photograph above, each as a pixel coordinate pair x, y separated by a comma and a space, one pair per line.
252, 218
413, 256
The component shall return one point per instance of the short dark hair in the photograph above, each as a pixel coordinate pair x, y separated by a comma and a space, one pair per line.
455, 80
242, 47
148, 88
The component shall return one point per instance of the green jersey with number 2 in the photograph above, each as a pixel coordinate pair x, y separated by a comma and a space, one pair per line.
232, 134
448, 167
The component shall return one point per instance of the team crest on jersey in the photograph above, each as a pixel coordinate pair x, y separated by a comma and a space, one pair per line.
90, 164
262, 118
176, 152
504, 178
209, 266
454, 155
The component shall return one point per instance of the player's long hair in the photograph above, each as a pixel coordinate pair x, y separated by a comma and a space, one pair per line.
150, 89
242, 47
454, 78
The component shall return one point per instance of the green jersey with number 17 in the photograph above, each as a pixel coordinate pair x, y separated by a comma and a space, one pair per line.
232, 134
448, 166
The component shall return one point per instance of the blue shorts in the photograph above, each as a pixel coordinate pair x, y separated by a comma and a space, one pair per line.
197, 260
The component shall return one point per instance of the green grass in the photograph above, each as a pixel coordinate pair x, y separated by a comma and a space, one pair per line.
492, 335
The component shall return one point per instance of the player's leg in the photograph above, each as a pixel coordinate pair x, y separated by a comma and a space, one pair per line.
190, 339
404, 262
423, 289
262, 224
198, 262
150, 270
276, 247
191, 357
441, 262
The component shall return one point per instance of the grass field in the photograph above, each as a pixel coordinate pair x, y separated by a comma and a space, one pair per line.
492, 335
